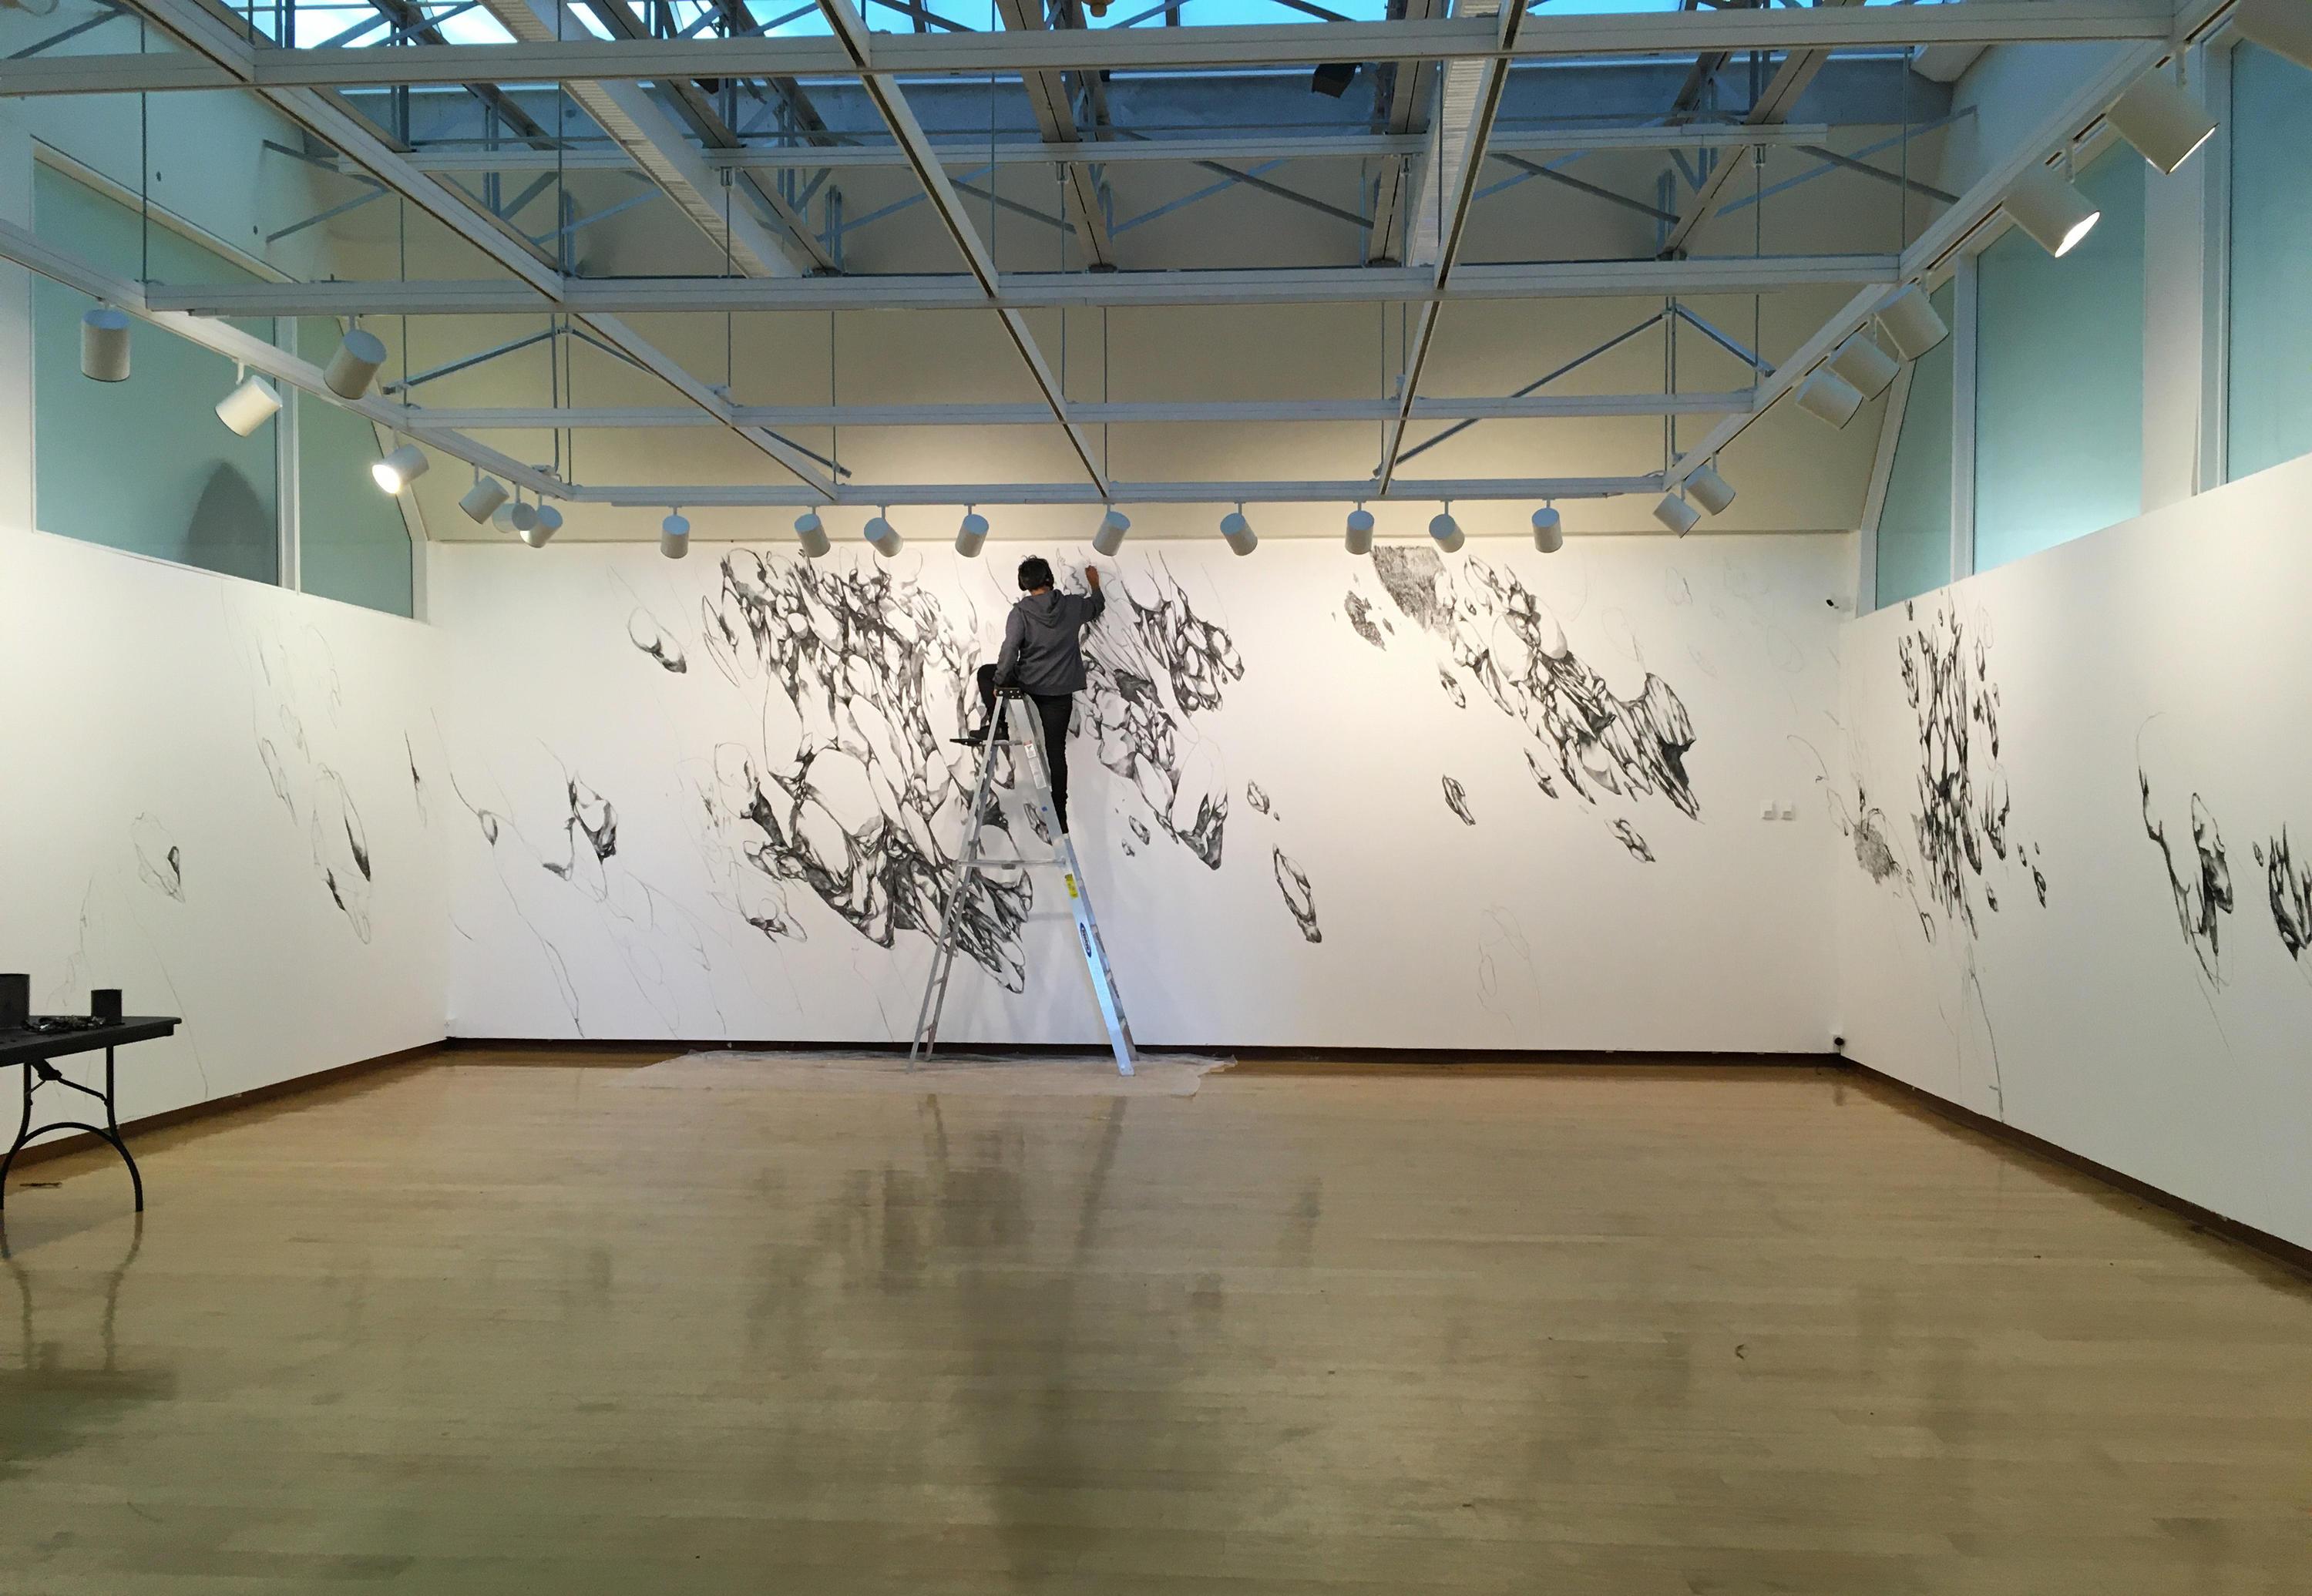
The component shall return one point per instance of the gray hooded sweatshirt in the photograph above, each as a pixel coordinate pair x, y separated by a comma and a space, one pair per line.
1040, 654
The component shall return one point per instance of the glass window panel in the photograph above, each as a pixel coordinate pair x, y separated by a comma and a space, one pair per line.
352, 543
2058, 377
143, 465
2268, 409
1914, 522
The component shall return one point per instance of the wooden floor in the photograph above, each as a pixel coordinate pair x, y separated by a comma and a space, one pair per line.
490, 1326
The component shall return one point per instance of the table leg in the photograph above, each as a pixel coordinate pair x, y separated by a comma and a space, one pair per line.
108, 1133
23, 1134
112, 1126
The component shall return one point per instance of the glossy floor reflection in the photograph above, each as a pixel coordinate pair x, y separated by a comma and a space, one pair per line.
508, 1328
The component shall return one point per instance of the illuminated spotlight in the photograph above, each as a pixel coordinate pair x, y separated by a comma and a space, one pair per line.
1548, 529
1239, 531
517, 518
1862, 362
674, 536
545, 521
356, 363
1911, 323
811, 533
1829, 396
398, 470
1707, 488
883, 536
2163, 123
2284, 26
1677, 514
1447, 532
482, 500
1112, 528
248, 406
2050, 208
104, 345
1359, 537
971, 537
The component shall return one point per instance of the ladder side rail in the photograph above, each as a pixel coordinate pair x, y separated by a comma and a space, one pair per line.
965, 880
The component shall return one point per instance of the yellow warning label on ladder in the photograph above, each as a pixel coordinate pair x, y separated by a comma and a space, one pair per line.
1069, 876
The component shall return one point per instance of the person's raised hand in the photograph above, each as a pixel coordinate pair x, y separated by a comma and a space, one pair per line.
1091, 574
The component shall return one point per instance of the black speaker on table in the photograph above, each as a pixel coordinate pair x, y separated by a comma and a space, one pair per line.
15, 1002
104, 1002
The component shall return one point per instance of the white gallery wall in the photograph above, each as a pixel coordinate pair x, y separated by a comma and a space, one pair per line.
2075, 892
219, 797
1490, 799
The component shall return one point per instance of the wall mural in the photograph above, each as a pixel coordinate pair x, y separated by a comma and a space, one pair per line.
2288, 891
803, 800
1963, 822
1490, 631
296, 698
230, 783
2091, 766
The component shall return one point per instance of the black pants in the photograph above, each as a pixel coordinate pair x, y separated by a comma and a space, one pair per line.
1055, 708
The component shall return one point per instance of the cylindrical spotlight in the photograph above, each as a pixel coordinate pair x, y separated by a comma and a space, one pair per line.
811, 533
355, 365
1707, 488
482, 500
2284, 26
1862, 362
1359, 538
1548, 529
1239, 532
521, 519
1911, 323
2049, 207
884, 536
545, 521
104, 345
249, 406
1112, 528
398, 470
1447, 532
674, 536
2163, 123
971, 536
1677, 514
1829, 396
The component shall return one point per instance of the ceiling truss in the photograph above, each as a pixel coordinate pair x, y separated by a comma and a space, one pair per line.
650, 95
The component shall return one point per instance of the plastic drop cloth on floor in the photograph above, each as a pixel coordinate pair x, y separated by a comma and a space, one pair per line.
1036, 1075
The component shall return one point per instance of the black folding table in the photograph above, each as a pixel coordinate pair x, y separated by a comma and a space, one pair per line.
34, 1049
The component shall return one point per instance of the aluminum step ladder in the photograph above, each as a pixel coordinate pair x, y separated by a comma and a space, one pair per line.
1034, 776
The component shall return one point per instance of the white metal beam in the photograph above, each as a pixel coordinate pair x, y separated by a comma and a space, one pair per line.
1135, 49
1774, 104
485, 419
1329, 492
1408, 98
1055, 119
651, 141
22, 246
1468, 104
1579, 279
200, 30
1215, 146
900, 117
2071, 117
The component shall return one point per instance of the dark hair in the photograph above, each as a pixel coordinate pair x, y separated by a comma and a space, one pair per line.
1035, 572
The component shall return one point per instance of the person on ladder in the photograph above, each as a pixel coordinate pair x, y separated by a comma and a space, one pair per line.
1043, 657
